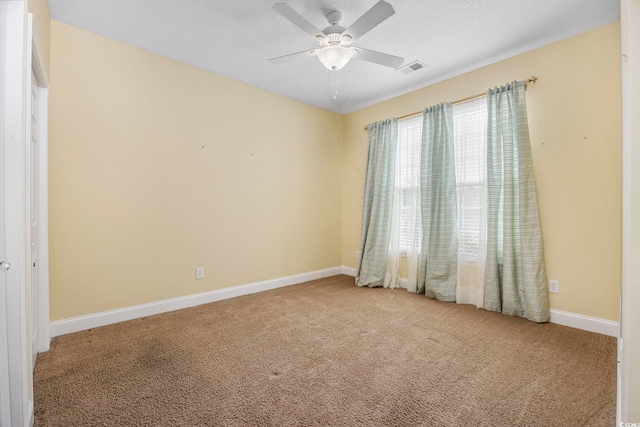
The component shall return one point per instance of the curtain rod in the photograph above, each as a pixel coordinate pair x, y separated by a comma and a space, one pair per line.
468, 98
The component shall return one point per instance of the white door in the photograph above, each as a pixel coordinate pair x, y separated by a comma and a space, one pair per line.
5, 402
34, 223
15, 304
24, 291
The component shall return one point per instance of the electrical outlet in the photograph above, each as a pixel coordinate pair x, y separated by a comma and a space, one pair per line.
200, 273
554, 286
358, 254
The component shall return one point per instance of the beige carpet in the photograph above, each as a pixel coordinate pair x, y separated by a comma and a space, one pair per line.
328, 353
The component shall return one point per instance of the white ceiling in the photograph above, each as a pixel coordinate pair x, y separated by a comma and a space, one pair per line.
235, 38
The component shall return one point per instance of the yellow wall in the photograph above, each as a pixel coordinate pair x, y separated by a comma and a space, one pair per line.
157, 168
41, 26
575, 126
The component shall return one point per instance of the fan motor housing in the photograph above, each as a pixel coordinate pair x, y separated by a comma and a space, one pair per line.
334, 17
333, 29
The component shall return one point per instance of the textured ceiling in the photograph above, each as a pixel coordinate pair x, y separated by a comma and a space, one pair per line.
235, 38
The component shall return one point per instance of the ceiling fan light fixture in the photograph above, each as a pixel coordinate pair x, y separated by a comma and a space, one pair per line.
334, 57
335, 49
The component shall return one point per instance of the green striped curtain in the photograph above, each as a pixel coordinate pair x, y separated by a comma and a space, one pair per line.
378, 202
438, 265
515, 280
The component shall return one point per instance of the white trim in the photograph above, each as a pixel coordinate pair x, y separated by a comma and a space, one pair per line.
349, 271
5, 390
80, 323
18, 59
565, 318
586, 323
629, 341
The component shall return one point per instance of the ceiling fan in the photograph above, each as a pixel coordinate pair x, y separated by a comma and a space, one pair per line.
335, 41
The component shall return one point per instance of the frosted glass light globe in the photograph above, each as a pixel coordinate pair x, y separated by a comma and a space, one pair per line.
334, 57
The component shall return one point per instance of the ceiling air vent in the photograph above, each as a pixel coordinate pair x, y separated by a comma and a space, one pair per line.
411, 67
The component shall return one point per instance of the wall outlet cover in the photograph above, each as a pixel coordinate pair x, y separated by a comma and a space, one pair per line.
200, 273
554, 286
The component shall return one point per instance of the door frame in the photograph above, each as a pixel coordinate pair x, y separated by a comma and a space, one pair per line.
14, 139
628, 338
22, 54
5, 399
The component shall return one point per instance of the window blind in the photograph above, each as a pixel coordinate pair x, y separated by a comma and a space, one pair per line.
408, 182
469, 136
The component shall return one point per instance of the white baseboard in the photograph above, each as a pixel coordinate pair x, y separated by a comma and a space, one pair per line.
587, 323
81, 323
75, 324
573, 320
349, 271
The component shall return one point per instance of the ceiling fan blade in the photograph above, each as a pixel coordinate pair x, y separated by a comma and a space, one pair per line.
298, 20
378, 57
293, 57
374, 16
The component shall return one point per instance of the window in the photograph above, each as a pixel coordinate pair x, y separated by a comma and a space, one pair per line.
469, 142
408, 182
469, 134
